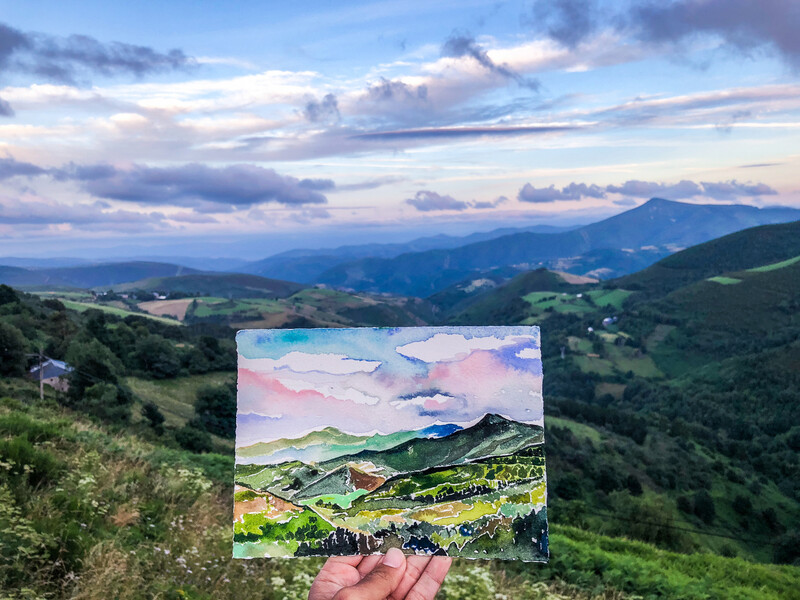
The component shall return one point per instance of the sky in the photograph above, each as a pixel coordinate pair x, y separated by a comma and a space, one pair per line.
241, 129
367, 381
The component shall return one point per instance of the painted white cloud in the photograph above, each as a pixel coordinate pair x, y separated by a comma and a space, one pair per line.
303, 362
439, 399
452, 346
339, 393
532, 353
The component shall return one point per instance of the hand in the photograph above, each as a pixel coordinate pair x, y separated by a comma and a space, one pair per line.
393, 577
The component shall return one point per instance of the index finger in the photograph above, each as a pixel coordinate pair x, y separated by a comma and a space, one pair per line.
431, 579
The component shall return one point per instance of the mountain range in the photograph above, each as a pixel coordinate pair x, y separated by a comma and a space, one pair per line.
613, 247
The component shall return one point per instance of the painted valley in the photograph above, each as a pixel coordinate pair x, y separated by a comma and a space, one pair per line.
353, 441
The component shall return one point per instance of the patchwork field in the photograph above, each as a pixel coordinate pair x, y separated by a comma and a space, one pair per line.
483, 496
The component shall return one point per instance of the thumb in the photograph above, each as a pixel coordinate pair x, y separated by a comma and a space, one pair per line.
380, 582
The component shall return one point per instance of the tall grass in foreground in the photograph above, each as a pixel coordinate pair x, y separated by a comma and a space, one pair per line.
89, 513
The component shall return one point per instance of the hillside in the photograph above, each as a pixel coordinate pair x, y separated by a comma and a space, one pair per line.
104, 275
746, 249
660, 225
227, 285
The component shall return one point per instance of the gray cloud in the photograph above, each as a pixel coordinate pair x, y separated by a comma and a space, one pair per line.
5, 109
648, 189
573, 191
742, 24
43, 213
370, 184
426, 200
463, 44
462, 132
567, 21
393, 90
236, 185
67, 59
325, 110
11, 168
721, 190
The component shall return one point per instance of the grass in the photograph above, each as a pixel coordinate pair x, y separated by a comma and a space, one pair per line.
579, 429
559, 302
612, 298
774, 266
113, 310
175, 397
723, 280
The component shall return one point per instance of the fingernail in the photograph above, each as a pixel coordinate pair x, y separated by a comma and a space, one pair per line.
394, 558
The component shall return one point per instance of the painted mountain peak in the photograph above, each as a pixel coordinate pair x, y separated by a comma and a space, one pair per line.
353, 441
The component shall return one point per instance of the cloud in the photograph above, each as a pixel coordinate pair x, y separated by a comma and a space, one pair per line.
370, 184
11, 168
304, 362
568, 22
574, 191
425, 200
235, 185
722, 190
329, 390
325, 110
635, 188
65, 59
462, 44
462, 132
743, 24
5, 109
393, 90
42, 212
648, 189
444, 347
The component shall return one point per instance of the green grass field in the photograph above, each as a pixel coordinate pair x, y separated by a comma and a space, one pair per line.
775, 266
113, 310
175, 397
722, 280
612, 298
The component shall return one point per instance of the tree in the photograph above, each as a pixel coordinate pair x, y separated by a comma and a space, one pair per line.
154, 416
704, 506
12, 350
7, 295
193, 439
92, 363
157, 357
216, 409
104, 400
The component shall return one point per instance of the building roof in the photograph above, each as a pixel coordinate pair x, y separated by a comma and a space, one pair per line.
51, 368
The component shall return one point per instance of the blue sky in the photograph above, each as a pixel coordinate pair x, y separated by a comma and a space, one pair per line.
186, 127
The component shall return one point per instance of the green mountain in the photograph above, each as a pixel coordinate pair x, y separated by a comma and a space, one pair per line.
328, 435
656, 226
742, 250
226, 285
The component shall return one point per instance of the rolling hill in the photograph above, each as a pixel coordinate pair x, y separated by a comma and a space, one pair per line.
746, 249
104, 275
226, 285
657, 227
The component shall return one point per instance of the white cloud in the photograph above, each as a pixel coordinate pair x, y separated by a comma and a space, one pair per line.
339, 393
453, 346
303, 362
531, 353
439, 399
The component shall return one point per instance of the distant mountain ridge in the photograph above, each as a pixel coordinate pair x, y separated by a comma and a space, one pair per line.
306, 265
226, 285
329, 443
658, 223
89, 276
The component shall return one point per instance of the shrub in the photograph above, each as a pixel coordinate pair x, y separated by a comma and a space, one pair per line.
193, 439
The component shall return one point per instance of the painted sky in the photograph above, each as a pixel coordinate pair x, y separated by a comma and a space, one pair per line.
366, 381
151, 123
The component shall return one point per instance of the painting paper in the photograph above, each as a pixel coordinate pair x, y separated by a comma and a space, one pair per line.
353, 441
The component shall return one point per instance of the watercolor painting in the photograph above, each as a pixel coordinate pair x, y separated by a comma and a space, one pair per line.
353, 441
